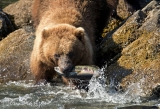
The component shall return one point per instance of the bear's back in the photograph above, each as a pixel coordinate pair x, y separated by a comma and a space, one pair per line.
88, 9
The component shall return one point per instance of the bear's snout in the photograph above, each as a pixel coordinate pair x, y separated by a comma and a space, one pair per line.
67, 70
65, 65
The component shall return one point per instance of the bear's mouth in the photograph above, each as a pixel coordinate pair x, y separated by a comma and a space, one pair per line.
80, 72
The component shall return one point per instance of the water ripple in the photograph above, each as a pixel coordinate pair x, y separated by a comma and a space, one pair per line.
26, 95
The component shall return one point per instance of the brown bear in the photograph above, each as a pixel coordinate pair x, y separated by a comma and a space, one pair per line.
65, 34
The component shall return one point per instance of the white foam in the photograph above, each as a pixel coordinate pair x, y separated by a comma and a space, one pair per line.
98, 90
44, 95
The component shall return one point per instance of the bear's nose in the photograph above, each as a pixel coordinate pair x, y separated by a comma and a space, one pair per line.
65, 65
66, 70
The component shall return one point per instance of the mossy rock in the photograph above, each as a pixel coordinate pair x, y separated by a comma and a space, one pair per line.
138, 45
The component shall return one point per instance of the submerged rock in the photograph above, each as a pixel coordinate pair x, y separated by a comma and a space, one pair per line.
139, 107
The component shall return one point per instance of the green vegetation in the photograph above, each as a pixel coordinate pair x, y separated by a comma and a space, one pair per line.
4, 3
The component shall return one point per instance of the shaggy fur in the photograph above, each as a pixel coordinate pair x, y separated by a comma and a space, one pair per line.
65, 34
66, 31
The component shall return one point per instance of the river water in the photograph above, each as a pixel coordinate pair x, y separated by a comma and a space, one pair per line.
25, 95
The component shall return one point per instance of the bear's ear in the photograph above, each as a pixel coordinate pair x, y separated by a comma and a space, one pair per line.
79, 33
45, 33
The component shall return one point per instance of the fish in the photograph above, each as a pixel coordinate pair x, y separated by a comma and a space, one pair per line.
80, 72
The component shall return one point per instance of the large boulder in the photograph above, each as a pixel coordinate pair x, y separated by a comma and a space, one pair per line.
15, 52
136, 49
15, 49
20, 12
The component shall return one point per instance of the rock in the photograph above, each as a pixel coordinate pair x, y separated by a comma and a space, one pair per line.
6, 25
125, 11
108, 46
15, 52
15, 49
138, 107
136, 49
20, 12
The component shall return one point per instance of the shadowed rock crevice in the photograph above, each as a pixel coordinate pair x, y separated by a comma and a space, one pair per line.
6, 26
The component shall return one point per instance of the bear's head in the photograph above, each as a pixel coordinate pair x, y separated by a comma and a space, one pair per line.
65, 46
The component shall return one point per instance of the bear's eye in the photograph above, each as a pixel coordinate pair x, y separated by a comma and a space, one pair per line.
56, 56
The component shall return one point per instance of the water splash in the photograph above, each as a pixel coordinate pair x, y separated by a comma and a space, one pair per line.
20, 94
102, 92
97, 86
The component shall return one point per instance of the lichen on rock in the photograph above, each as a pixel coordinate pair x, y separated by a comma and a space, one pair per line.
139, 49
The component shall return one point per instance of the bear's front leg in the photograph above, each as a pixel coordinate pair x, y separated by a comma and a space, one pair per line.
39, 71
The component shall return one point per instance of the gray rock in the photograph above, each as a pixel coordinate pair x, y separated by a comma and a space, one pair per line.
20, 12
15, 52
15, 49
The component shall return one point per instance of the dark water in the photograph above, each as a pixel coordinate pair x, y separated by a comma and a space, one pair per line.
22, 95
